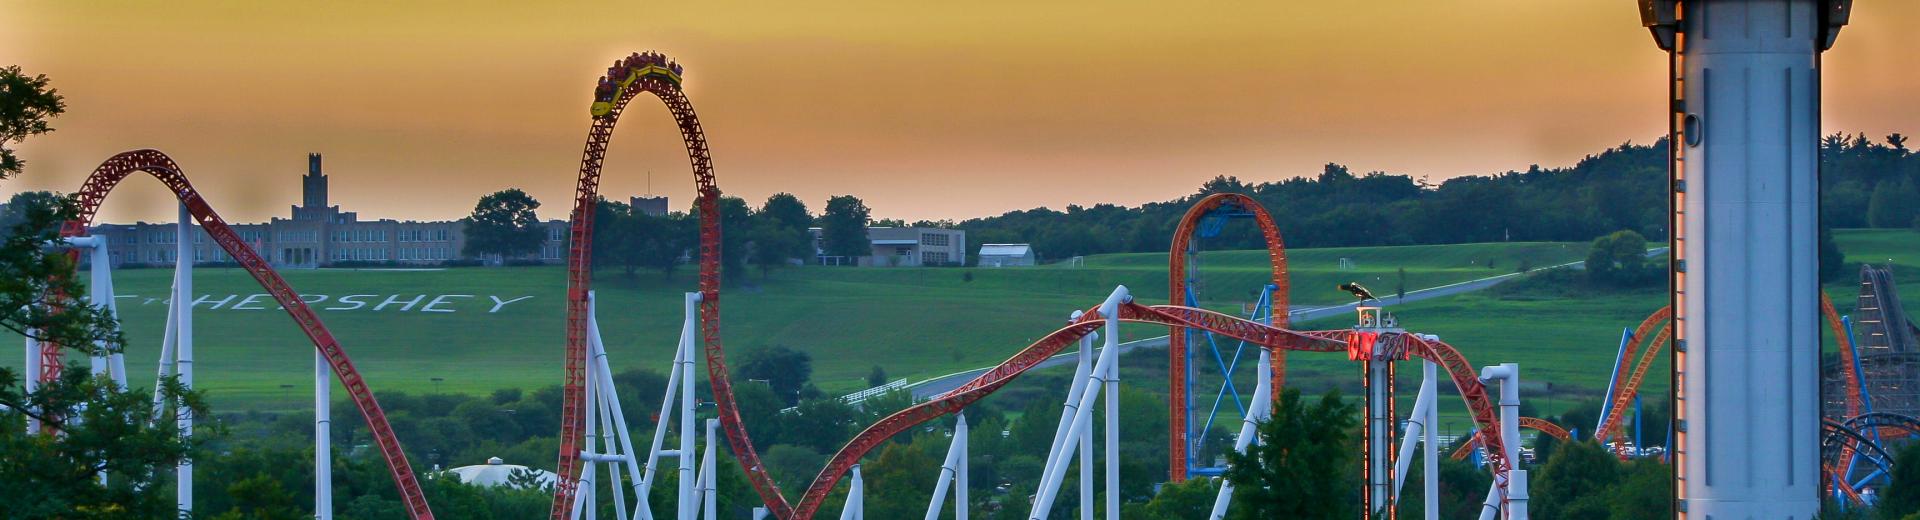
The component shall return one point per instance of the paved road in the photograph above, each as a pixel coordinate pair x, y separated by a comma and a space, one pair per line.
939, 385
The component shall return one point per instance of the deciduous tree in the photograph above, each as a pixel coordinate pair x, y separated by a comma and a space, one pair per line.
843, 228
504, 225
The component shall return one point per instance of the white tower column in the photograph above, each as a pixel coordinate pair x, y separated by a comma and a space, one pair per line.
1747, 207
183, 344
322, 438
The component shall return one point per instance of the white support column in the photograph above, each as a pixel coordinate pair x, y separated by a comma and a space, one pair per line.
687, 503
855, 498
620, 444
1086, 436
709, 495
1416, 426
654, 453
1055, 472
950, 470
168, 340
322, 438
1517, 490
1260, 410
586, 502
960, 481
609, 445
183, 355
1082, 371
1113, 419
1508, 375
32, 378
1430, 467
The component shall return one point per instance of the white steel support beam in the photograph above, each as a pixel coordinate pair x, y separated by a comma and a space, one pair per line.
1260, 410
1508, 374
322, 438
856, 498
1055, 472
1416, 426
1430, 464
950, 474
709, 494
1082, 370
688, 502
183, 353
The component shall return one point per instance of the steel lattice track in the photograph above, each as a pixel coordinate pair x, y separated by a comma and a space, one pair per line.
1177, 336
109, 174
1532, 423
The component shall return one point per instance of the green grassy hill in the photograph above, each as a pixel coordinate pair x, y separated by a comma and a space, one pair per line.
914, 323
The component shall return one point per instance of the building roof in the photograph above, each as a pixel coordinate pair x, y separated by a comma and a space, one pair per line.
496, 473
1005, 249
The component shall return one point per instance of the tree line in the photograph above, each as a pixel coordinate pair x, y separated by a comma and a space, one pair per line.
1864, 183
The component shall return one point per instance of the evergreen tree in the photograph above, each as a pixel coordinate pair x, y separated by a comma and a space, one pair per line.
1304, 464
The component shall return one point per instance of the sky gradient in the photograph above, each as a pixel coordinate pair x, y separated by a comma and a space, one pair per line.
926, 110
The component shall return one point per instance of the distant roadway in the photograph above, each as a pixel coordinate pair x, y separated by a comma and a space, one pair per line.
926, 389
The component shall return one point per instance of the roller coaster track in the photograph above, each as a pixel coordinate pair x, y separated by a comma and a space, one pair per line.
1177, 401
1533, 423
1847, 363
1633, 371
579, 273
580, 281
117, 168
1623, 397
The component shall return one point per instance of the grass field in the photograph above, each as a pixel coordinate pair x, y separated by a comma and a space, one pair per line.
914, 323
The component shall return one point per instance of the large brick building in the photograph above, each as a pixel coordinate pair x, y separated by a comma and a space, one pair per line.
317, 235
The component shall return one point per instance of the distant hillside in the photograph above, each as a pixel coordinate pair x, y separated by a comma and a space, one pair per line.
1866, 184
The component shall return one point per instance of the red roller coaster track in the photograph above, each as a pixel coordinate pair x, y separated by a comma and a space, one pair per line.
1534, 423
1631, 376
580, 281
1177, 336
117, 168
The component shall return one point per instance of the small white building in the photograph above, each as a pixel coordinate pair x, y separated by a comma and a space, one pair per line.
1006, 255
497, 473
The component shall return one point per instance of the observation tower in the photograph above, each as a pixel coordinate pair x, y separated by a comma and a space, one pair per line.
1744, 123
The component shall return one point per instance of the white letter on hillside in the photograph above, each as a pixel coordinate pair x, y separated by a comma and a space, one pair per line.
442, 299
353, 299
395, 299
498, 303
216, 305
251, 299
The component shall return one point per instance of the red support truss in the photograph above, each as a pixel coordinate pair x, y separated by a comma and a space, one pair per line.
118, 167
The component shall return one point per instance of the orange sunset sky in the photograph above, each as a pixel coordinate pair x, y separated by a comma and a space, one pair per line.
925, 109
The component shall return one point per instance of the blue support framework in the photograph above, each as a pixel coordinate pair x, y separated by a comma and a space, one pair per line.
1198, 428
